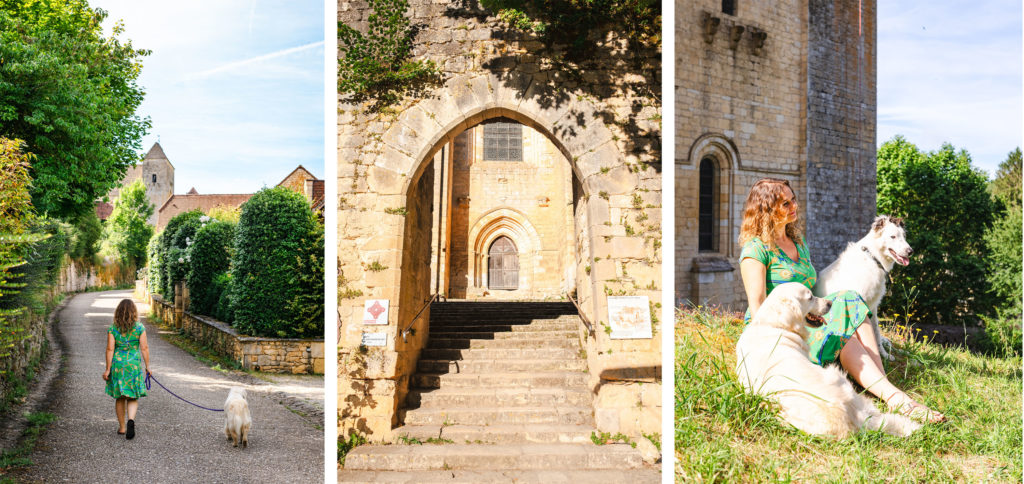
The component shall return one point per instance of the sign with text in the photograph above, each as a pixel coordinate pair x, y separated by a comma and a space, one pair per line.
375, 311
629, 317
375, 339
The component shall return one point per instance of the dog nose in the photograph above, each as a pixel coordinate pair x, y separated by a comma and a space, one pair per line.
828, 306
910, 251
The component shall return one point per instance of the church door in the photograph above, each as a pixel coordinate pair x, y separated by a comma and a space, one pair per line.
503, 265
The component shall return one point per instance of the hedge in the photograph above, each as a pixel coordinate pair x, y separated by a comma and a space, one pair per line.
210, 255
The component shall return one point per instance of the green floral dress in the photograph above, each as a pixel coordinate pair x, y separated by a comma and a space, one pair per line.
848, 308
127, 377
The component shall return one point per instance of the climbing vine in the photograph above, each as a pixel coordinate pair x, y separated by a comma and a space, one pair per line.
377, 65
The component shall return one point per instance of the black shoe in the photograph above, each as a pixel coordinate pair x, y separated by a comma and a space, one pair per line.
130, 434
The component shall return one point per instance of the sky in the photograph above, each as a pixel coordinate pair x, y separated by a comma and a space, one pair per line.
234, 88
950, 71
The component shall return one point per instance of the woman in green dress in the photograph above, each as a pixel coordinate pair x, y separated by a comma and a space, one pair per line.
126, 339
774, 253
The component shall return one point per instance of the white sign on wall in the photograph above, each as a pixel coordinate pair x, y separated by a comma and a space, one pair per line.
375, 311
375, 339
629, 317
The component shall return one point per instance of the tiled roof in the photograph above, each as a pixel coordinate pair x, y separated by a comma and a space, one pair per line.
183, 203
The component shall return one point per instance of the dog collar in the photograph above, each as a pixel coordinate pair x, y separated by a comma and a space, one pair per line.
879, 264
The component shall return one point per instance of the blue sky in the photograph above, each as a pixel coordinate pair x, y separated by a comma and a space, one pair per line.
234, 88
950, 71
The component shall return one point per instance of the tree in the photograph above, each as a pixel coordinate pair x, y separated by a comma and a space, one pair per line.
947, 208
1004, 239
128, 231
71, 95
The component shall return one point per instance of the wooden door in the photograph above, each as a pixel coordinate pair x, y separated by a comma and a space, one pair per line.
503, 265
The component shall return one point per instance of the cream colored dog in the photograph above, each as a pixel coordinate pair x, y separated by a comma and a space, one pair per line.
771, 360
237, 420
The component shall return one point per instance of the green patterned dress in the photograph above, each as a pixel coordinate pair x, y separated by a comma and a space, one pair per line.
848, 308
127, 377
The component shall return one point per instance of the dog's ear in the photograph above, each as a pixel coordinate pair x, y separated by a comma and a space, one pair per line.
897, 221
879, 223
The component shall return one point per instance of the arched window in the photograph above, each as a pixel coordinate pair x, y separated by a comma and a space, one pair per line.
503, 265
706, 206
154, 178
503, 140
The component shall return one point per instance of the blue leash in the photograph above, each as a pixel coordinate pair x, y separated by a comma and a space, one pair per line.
148, 386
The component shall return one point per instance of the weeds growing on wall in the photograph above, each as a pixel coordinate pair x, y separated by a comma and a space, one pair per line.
378, 65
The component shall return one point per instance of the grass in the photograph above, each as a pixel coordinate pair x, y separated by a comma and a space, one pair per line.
18, 456
345, 445
726, 435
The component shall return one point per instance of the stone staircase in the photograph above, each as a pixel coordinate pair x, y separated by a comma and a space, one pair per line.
501, 393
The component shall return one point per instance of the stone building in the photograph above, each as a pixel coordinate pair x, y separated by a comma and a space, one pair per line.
157, 172
511, 178
770, 89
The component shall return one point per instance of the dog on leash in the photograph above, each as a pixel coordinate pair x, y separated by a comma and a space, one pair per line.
771, 360
237, 420
864, 267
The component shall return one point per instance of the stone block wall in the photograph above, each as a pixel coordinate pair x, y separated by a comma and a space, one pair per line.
783, 90
603, 116
271, 355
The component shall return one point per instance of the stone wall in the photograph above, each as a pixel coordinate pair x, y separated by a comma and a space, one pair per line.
528, 201
783, 90
271, 355
78, 277
603, 116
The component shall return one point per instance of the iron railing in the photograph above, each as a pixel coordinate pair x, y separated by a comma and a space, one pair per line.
586, 322
408, 329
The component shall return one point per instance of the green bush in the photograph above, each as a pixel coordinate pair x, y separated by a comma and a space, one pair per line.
154, 261
86, 237
308, 304
42, 264
222, 288
947, 208
1004, 239
273, 233
128, 230
172, 265
1003, 336
210, 255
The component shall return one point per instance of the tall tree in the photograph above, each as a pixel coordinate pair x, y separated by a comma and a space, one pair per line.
71, 94
1004, 239
127, 232
947, 208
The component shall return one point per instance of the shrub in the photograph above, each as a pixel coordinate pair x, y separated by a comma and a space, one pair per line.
210, 255
171, 269
128, 228
308, 304
1004, 239
222, 288
85, 239
154, 260
274, 229
947, 209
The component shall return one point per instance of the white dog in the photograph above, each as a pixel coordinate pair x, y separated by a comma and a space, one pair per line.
237, 420
771, 360
864, 266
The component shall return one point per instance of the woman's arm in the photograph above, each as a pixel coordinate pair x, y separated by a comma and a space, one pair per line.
753, 273
110, 355
144, 348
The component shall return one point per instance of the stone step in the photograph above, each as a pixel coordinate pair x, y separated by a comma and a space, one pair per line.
499, 353
504, 365
552, 334
520, 342
501, 434
502, 476
493, 397
501, 326
549, 379
498, 416
487, 457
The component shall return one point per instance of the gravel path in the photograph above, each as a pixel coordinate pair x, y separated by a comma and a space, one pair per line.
175, 442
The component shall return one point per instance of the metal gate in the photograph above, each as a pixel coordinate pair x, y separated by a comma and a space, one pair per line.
503, 265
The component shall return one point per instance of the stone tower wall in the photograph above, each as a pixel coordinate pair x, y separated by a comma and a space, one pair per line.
801, 108
604, 117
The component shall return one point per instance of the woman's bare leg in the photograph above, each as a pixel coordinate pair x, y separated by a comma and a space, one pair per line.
866, 334
866, 368
133, 406
119, 405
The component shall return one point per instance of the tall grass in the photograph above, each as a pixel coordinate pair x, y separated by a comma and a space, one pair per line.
724, 434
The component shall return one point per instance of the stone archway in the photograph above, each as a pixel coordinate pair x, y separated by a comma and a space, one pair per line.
502, 222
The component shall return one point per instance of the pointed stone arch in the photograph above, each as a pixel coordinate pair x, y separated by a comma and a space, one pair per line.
503, 222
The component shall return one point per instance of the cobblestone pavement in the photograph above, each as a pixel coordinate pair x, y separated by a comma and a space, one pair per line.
175, 442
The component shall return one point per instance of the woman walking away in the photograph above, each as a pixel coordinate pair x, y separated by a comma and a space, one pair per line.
774, 253
126, 339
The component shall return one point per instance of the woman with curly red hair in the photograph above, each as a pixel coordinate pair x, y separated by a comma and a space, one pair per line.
774, 252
